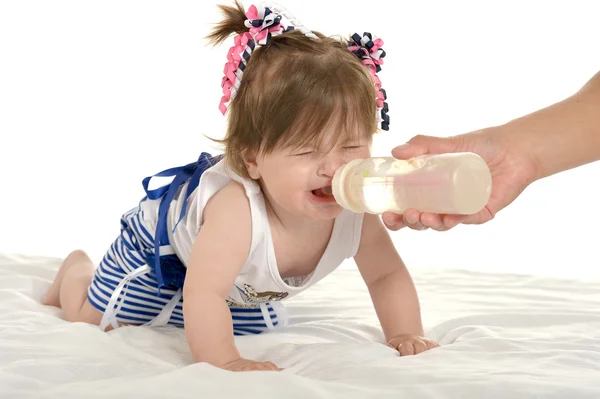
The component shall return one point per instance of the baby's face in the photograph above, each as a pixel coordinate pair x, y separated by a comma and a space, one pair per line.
298, 180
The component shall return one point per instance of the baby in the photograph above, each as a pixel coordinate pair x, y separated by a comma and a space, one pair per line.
236, 234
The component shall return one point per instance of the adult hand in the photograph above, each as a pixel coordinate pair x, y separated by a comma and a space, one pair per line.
512, 171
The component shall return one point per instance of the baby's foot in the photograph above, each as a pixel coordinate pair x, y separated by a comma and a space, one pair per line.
52, 297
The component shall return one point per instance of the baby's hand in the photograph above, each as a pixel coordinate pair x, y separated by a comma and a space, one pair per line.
411, 344
250, 365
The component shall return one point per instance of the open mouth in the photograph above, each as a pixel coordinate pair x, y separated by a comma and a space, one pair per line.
323, 191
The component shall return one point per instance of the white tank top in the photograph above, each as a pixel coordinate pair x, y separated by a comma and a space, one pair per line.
259, 280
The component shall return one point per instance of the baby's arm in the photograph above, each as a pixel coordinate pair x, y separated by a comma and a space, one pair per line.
392, 290
217, 256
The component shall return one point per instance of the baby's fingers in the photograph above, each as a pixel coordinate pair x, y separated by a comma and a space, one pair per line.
419, 346
270, 366
406, 348
432, 344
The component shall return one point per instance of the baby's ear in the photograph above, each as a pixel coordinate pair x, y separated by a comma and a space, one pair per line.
249, 157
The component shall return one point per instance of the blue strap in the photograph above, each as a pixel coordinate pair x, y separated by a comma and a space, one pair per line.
157, 193
182, 174
204, 162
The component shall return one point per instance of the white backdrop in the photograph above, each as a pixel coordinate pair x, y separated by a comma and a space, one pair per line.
94, 96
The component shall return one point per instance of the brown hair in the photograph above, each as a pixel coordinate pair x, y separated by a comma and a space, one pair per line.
292, 89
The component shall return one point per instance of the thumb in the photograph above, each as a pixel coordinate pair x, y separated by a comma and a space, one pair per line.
421, 145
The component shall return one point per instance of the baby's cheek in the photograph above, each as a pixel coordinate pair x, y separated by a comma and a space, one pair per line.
287, 196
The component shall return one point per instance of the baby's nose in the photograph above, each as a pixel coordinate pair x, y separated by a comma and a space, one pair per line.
330, 164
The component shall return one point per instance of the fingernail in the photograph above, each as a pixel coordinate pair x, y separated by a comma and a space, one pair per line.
390, 221
411, 219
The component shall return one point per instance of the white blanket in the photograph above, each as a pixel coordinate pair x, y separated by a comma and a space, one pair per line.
502, 336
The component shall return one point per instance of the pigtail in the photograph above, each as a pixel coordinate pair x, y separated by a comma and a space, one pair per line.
233, 22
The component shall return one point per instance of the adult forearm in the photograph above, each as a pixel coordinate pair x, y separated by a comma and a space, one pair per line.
562, 136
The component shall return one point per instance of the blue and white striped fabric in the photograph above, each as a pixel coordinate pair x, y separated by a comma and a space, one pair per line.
140, 301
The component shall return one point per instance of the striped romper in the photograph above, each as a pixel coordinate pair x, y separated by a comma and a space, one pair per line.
140, 278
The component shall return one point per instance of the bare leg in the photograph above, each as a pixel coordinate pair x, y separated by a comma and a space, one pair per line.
69, 290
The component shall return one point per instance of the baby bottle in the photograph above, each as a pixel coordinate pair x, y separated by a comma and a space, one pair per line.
458, 183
